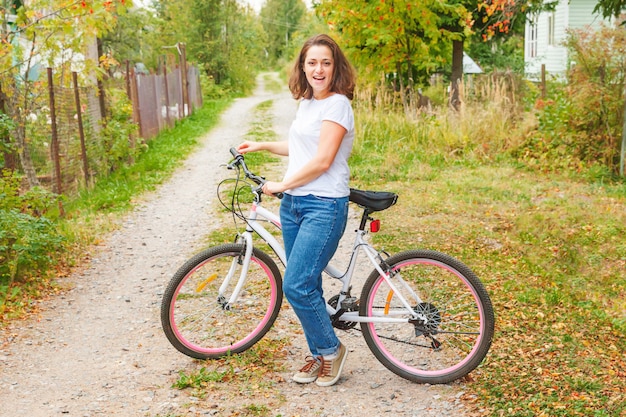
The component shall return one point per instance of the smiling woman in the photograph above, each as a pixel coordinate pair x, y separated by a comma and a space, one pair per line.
314, 208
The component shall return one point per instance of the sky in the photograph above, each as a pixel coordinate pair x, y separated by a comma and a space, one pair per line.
256, 4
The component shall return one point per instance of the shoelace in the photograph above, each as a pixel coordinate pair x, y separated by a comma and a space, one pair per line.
325, 367
310, 363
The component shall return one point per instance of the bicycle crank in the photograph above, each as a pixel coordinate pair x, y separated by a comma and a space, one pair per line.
351, 305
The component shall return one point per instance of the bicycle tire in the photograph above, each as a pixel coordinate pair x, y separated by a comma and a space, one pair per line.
200, 324
457, 325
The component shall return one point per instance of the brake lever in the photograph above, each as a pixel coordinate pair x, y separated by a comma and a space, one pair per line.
259, 189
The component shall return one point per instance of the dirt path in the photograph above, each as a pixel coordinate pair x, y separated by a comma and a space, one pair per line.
98, 350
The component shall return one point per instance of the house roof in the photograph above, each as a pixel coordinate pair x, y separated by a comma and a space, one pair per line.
470, 66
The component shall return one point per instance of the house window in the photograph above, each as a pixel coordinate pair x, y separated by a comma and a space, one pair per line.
551, 19
532, 41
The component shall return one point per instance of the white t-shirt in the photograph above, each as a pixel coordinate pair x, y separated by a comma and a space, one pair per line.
304, 137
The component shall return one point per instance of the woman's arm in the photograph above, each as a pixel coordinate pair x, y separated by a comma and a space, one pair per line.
331, 136
278, 148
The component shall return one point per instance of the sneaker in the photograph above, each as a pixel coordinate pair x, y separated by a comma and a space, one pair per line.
330, 369
309, 372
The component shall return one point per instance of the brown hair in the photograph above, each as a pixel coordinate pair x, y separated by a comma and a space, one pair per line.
344, 75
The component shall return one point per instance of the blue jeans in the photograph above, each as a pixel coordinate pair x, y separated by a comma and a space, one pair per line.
312, 227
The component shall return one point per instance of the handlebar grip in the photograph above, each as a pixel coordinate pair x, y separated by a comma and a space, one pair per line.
234, 152
279, 196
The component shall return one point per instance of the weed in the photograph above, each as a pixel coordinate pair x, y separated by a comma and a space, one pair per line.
200, 378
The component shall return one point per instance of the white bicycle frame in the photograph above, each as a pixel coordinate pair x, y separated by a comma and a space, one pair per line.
253, 225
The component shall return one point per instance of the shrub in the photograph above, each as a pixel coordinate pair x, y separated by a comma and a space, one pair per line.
26, 237
115, 148
580, 123
596, 90
25, 244
6, 125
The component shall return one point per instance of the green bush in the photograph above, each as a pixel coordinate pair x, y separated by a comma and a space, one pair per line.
114, 149
580, 122
36, 201
26, 237
6, 125
25, 244
596, 89
552, 146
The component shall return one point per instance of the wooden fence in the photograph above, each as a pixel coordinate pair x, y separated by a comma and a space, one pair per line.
160, 99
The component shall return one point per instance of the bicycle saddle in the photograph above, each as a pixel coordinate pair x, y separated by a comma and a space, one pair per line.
373, 200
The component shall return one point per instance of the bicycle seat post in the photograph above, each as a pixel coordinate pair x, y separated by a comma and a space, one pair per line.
364, 218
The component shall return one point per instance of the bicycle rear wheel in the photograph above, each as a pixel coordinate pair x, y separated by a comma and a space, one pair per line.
455, 322
196, 317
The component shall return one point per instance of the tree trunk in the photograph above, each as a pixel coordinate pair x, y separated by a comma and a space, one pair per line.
457, 74
100, 84
402, 90
93, 102
409, 64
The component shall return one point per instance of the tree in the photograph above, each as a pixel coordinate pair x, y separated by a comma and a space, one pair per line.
281, 19
46, 33
488, 20
610, 8
222, 36
132, 38
413, 39
402, 38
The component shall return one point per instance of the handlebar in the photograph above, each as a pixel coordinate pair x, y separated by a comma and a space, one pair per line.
235, 154
257, 179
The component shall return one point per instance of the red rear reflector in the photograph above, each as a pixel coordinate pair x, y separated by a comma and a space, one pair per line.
374, 226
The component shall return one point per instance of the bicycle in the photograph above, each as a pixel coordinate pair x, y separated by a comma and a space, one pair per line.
424, 314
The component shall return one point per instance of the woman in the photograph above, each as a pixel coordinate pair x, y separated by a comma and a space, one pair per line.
314, 208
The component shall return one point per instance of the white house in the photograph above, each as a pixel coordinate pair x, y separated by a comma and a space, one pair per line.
545, 33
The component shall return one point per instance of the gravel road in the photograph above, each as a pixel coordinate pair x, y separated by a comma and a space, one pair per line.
98, 349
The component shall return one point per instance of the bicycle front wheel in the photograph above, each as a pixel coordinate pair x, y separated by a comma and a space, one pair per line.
451, 320
196, 316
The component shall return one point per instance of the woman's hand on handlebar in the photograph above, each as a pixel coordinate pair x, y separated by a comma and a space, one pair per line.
248, 146
273, 188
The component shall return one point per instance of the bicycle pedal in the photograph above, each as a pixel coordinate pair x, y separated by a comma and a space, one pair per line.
350, 304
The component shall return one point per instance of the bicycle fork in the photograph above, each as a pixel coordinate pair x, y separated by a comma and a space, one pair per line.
243, 260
